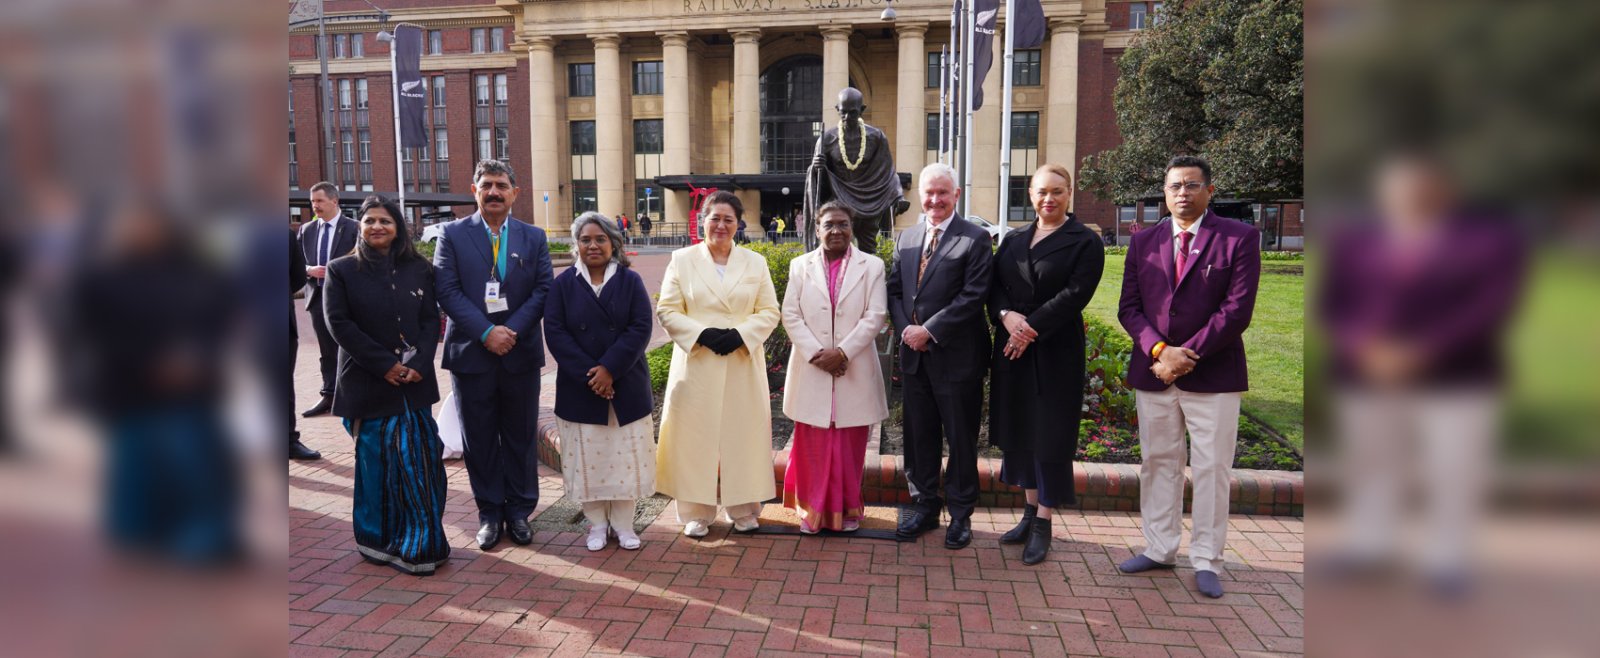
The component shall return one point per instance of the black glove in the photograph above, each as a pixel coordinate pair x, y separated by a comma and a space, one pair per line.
729, 342
708, 338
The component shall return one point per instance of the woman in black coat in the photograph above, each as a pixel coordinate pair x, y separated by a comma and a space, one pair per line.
597, 323
1044, 276
381, 310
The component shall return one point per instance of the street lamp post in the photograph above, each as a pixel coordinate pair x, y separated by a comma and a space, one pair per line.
327, 97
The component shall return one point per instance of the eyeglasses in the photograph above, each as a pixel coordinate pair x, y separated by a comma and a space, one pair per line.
1190, 186
828, 227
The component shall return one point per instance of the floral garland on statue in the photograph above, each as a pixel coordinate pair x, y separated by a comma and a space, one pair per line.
862, 152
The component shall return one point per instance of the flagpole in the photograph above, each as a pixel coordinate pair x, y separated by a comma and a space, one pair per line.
399, 162
1005, 121
971, 32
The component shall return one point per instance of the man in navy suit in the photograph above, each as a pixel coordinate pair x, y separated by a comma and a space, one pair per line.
323, 239
937, 287
493, 274
1188, 292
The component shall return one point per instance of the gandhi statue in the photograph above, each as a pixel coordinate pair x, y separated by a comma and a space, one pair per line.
853, 165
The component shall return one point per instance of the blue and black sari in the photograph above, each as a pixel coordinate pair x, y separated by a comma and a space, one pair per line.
400, 491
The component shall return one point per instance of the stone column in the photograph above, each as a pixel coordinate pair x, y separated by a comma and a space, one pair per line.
675, 119
544, 174
747, 117
835, 69
1061, 135
608, 132
911, 119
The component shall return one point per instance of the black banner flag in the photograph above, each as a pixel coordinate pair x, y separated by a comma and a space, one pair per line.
413, 94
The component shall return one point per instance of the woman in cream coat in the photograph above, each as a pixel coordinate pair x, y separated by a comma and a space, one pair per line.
835, 306
718, 306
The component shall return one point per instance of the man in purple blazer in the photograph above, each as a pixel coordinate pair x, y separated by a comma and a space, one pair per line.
1188, 291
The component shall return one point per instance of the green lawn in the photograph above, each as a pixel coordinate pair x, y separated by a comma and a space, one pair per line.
1274, 344
1552, 415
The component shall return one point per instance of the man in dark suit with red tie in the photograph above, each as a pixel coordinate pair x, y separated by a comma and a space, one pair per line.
323, 239
1188, 292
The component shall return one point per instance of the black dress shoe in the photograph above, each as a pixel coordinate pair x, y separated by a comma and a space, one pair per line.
1038, 542
959, 534
488, 535
520, 533
914, 522
1019, 534
322, 407
298, 450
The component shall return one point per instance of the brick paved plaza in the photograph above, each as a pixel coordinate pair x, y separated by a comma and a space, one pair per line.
765, 594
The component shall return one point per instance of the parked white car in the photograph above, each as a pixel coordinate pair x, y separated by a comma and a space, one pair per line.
992, 229
432, 232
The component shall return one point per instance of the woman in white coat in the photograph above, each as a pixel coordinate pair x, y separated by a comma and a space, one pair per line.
718, 306
835, 306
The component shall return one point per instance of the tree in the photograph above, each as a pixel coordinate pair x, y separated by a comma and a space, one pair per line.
1223, 79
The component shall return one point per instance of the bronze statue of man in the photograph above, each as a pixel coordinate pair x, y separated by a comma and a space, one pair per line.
853, 165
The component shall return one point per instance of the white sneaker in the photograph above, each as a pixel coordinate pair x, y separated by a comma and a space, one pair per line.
627, 538
747, 523
695, 529
597, 537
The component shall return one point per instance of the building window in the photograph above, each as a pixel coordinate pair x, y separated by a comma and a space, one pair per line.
934, 69
1025, 68
341, 45
1019, 204
438, 91
497, 40
478, 39
1024, 130
485, 143
1143, 15
580, 80
435, 42
647, 78
583, 138
294, 158
361, 94
647, 136
501, 91
344, 94
482, 87
357, 46
441, 144
584, 198
933, 131
502, 140
365, 136
349, 146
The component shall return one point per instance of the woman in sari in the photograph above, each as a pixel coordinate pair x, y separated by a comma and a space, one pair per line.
381, 311
835, 306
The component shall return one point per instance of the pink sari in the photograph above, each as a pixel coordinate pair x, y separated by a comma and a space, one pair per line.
823, 481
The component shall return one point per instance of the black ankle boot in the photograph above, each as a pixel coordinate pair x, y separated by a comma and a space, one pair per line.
1038, 542
1019, 534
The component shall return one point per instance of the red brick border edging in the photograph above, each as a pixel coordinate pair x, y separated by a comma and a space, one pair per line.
1099, 486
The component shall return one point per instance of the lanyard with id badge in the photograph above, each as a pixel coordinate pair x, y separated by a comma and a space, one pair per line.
492, 300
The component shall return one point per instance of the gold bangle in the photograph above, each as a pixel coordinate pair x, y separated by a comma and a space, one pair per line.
1155, 352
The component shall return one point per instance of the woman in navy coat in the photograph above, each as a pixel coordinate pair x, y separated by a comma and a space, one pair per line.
597, 324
